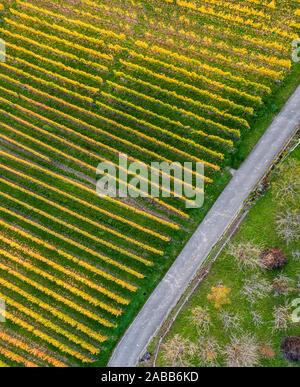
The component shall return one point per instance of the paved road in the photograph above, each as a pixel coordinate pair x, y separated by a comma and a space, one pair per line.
176, 280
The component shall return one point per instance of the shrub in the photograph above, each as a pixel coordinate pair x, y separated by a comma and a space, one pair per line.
290, 348
266, 352
273, 258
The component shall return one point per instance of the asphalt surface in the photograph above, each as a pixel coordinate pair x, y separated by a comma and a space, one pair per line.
219, 218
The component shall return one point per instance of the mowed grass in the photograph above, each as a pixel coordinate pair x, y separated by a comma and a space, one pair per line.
82, 83
259, 228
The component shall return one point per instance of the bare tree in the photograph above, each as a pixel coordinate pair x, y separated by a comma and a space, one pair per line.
256, 288
246, 254
283, 284
288, 225
200, 319
256, 318
178, 351
296, 255
287, 186
209, 351
282, 317
229, 320
242, 351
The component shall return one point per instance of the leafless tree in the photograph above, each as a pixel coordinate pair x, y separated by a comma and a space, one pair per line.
283, 284
256, 318
246, 254
281, 316
178, 351
296, 255
287, 186
200, 318
242, 351
230, 321
209, 351
288, 224
256, 287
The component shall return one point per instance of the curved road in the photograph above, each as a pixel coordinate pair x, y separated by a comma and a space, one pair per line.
227, 206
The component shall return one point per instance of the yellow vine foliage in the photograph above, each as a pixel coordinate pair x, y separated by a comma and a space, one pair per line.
38, 353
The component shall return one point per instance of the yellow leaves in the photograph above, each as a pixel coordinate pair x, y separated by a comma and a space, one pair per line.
46, 290
47, 323
36, 332
182, 139
164, 118
99, 240
67, 43
204, 66
188, 86
31, 350
238, 19
63, 54
77, 22
91, 206
56, 76
91, 268
197, 76
72, 242
97, 129
16, 358
65, 285
219, 295
97, 225
23, 146
227, 96
44, 82
75, 276
56, 313
141, 44
175, 108
272, 4
85, 188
